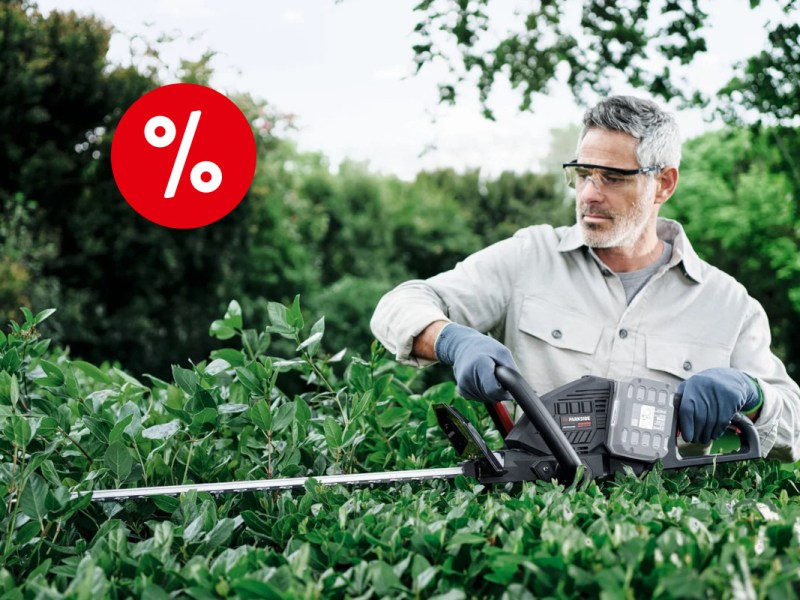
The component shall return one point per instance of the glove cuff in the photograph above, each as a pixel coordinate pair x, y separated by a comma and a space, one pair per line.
749, 410
442, 345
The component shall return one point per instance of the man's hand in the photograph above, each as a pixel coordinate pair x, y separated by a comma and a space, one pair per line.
711, 398
473, 357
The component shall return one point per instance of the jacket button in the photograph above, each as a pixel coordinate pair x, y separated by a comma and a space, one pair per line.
623, 333
687, 366
556, 333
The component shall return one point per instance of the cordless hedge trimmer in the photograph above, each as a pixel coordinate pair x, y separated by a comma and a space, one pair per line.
597, 424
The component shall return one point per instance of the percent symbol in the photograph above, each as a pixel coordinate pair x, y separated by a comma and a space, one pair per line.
160, 133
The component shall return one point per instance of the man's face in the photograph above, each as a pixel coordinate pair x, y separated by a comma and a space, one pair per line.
612, 218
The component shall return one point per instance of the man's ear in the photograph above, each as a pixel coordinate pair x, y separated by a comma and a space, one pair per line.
666, 182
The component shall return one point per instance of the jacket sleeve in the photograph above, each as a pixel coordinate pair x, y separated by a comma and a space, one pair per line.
475, 293
778, 424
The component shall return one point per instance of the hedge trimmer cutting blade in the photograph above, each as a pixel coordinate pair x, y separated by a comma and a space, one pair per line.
594, 425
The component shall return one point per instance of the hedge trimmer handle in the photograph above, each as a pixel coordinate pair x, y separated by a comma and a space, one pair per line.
530, 403
749, 443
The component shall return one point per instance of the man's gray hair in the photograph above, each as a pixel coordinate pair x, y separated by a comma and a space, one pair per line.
656, 129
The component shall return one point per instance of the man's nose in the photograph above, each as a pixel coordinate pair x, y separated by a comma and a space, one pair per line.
591, 191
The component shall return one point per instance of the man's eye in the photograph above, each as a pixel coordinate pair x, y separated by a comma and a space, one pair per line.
612, 178
582, 173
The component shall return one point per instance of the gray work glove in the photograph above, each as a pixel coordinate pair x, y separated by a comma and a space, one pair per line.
473, 357
711, 398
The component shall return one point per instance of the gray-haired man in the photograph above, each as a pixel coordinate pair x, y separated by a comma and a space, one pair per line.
619, 294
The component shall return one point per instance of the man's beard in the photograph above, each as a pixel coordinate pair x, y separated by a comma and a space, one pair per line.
626, 228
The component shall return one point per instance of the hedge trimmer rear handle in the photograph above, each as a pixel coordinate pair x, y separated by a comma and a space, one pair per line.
530, 403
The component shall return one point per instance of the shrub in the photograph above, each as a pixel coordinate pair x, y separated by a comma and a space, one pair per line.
68, 425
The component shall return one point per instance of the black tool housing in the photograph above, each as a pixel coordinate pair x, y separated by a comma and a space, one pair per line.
569, 428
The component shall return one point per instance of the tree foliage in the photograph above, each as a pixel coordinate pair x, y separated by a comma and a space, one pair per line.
647, 44
768, 84
740, 208
132, 291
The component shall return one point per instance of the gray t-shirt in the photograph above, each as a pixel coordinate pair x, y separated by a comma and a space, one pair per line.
635, 280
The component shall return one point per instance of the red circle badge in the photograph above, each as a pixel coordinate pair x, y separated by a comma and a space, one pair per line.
183, 156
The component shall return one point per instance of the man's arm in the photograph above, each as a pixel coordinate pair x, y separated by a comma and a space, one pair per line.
476, 293
425, 341
778, 421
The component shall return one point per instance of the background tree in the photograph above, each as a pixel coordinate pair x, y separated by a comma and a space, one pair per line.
612, 42
740, 209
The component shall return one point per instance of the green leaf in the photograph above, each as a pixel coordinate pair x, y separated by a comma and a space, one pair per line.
425, 578
221, 331
14, 391
27, 532
119, 429
100, 428
39, 348
303, 412
55, 377
278, 315
91, 371
166, 503
32, 501
233, 316
248, 380
256, 523
207, 415
28, 315
216, 366
295, 316
384, 580
361, 402
127, 378
162, 431
186, 379
47, 427
255, 588
18, 431
333, 433
261, 415
464, 538
50, 474
11, 361
193, 529
221, 533
181, 414
319, 326
43, 315
393, 415
118, 460
235, 358
338, 356
314, 339
284, 416
152, 591
231, 409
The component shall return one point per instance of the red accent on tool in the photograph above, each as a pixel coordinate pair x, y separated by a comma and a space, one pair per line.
502, 420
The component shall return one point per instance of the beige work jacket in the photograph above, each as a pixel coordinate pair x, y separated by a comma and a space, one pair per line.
563, 314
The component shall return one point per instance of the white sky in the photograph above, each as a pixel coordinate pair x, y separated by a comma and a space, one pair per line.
343, 69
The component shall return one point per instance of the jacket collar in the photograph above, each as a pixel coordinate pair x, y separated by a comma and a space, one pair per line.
667, 230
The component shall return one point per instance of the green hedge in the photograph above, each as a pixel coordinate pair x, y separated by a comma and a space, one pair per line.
67, 425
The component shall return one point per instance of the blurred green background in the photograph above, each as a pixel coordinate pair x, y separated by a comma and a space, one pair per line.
129, 291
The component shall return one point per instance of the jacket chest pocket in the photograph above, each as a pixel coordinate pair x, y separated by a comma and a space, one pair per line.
684, 359
559, 327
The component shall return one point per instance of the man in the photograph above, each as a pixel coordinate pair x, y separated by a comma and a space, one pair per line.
619, 294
